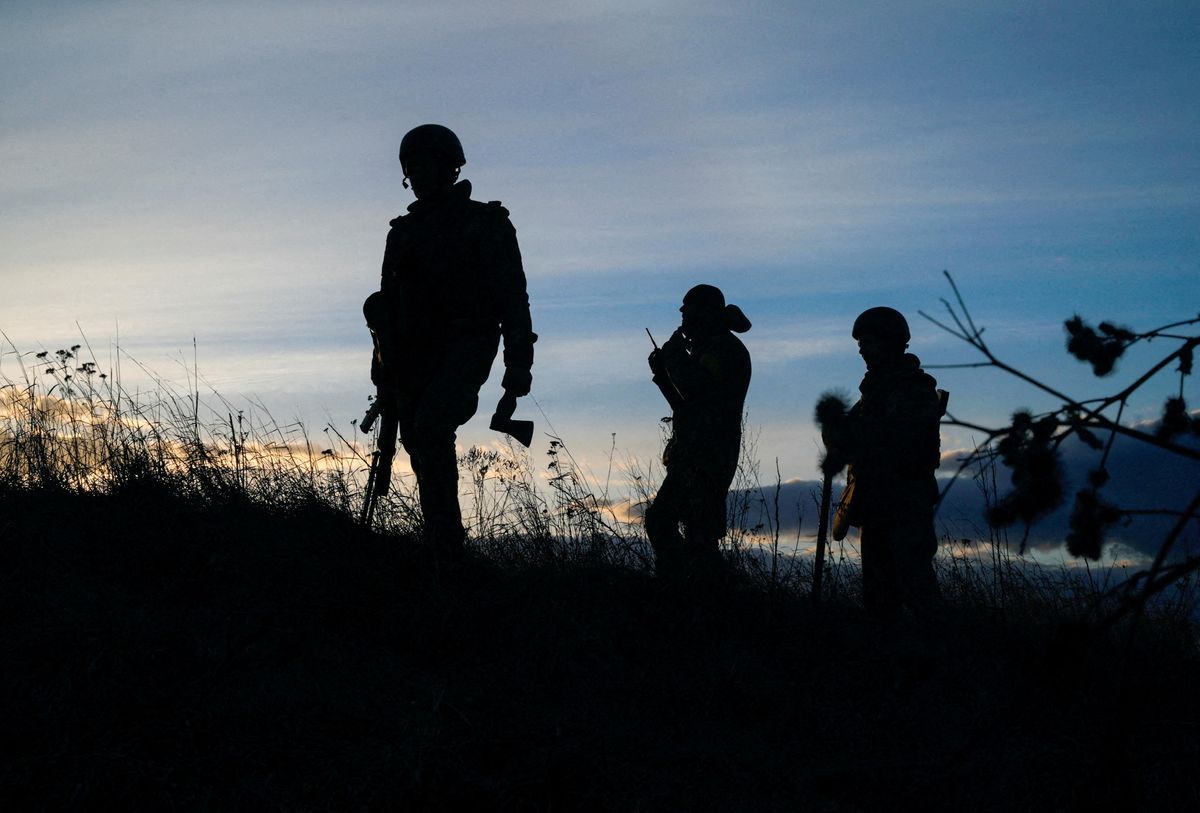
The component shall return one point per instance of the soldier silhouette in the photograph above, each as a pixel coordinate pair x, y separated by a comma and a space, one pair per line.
703, 371
890, 438
452, 286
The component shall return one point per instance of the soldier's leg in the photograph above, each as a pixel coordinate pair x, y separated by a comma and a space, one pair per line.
416, 444
406, 410
705, 520
881, 594
915, 544
434, 461
448, 402
662, 524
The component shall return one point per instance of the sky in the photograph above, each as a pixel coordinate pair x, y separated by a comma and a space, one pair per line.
209, 186
1144, 477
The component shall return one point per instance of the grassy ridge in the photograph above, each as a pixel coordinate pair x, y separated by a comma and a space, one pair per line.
191, 618
162, 650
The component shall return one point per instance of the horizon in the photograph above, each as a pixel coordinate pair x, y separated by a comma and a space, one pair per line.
208, 189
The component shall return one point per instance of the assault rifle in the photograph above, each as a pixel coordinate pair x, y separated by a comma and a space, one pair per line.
379, 479
377, 310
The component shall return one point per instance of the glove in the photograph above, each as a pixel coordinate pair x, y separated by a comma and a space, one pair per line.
517, 381
656, 362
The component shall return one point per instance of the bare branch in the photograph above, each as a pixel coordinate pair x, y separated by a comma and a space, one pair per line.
1159, 576
963, 328
966, 313
1132, 388
991, 433
947, 328
1158, 331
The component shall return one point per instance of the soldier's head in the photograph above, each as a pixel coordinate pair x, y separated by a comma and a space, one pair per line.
431, 156
882, 335
705, 313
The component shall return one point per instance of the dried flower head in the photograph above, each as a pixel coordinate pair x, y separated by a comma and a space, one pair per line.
832, 407
1036, 471
1175, 419
1102, 349
1090, 517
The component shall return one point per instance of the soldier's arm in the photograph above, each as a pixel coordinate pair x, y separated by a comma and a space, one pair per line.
504, 256
663, 382
375, 311
391, 258
379, 311
700, 375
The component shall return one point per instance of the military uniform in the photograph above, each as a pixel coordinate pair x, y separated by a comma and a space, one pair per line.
453, 285
891, 440
706, 387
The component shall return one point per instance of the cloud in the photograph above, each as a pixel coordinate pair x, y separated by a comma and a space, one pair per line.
227, 171
1143, 477
780, 342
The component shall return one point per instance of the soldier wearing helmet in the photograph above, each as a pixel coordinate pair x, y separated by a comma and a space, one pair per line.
891, 440
703, 371
452, 287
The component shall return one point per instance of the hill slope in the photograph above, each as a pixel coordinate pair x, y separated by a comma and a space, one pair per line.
161, 651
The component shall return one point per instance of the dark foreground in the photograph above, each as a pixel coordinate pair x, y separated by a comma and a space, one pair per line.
159, 654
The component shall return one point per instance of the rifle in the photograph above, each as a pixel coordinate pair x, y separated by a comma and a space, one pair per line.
378, 310
379, 479
822, 537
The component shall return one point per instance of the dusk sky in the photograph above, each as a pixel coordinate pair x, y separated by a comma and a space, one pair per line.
226, 172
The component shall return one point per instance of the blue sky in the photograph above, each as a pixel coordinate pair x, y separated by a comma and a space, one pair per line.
226, 172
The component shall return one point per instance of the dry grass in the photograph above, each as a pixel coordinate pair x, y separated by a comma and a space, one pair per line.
194, 618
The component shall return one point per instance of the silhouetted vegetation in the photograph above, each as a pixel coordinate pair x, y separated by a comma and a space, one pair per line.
1030, 445
194, 618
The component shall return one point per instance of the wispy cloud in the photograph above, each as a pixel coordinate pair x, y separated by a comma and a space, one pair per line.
227, 171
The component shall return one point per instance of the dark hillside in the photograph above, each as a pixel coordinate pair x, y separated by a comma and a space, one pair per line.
162, 651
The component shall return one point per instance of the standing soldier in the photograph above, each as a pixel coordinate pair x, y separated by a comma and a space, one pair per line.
891, 440
703, 371
452, 286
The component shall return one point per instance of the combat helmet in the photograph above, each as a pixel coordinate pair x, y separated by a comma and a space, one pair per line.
886, 323
435, 139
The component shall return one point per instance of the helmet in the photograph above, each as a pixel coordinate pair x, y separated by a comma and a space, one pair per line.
886, 323
705, 296
435, 139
